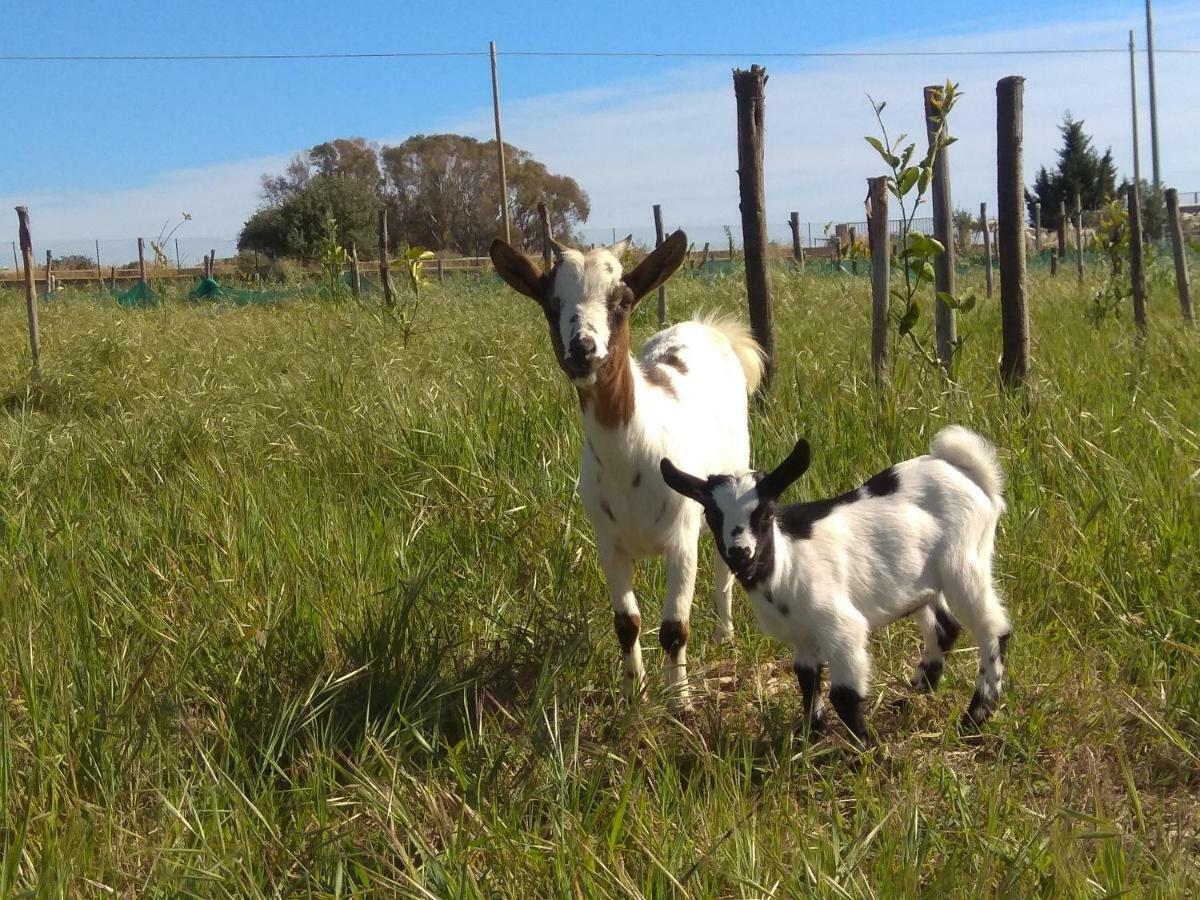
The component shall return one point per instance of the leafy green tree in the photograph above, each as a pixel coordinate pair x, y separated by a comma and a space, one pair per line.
73, 261
1080, 170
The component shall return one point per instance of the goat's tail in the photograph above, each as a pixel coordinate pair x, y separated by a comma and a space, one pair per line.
975, 456
745, 347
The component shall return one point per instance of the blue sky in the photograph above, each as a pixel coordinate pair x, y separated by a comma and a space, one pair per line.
110, 149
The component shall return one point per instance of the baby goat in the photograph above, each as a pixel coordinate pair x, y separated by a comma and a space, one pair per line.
912, 540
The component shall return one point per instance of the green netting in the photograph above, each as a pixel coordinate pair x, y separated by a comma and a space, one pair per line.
209, 289
138, 295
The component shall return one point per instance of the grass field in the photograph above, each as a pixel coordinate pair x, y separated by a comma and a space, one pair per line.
290, 608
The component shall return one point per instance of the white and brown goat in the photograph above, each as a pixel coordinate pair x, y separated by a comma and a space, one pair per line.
684, 396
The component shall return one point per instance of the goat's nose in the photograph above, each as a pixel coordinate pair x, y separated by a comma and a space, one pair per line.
583, 346
739, 555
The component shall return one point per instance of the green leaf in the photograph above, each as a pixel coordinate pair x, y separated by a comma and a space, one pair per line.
927, 271
878, 145
907, 179
926, 177
948, 299
909, 319
968, 304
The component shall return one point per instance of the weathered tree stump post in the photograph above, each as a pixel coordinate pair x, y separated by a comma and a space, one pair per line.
987, 247
49, 273
797, 247
441, 269
1010, 236
1037, 227
112, 279
1182, 282
35, 342
841, 232
385, 275
877, 235
1137, 272
749, 87
355, 273
544, 222
207, 267
853, 250
1078, 238
662, 288
141, 262
945, 327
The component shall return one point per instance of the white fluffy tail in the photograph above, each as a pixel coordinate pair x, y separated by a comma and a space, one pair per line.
967, 451
748, 352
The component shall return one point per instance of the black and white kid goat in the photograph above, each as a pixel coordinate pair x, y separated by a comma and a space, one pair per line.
916, 539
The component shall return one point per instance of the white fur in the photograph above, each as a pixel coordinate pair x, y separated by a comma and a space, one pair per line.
880, 558
704, 426
582, 285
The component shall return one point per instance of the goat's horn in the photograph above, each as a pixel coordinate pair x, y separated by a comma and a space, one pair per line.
559, 249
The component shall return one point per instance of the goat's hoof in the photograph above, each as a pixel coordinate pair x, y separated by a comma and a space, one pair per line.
722, 635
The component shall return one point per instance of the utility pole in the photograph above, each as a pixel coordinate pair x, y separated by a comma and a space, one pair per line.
500, 146
1153, 98
1137, 162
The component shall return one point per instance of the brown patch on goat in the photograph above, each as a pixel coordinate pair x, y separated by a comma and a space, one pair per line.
627, 626
671, 358
657, 376
673, 635
611, 398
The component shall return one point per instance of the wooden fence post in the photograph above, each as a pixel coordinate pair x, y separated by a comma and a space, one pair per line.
207, 266
797, 247
1180, 252
877, 235
16, 265
441, 269
1062, 230
1078, 238
1137, 271
112, 281
945, 327
1010, 236
853, 250
142, 262
35, 343
704, 257
212, 263
987, 247
1037, 227
662, 288
355, 273
99, 271
749, 86
544, 221
385, 275
504, 213
49, 273
178, 259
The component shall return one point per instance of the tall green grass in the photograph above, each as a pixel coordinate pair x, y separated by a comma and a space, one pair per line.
289, 608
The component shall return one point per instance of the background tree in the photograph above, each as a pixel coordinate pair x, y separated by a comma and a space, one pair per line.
1080, 170
73, 261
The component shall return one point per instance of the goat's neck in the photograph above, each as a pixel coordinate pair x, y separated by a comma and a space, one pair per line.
608, 405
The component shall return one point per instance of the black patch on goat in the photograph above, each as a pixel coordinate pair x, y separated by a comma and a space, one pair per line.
657, 376
810, 685
886, 482
607, 510
948, 628
797, 519
671, 358
928, 675
848, 704
637, 479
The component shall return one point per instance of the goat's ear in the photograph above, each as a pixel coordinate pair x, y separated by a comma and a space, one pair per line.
781, 477
621, 247
516, 270
682, 483
656, 268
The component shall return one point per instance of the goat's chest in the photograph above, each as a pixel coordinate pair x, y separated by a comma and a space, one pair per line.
777, 617
631, 505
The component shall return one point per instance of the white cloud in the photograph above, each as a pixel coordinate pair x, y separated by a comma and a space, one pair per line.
674, 142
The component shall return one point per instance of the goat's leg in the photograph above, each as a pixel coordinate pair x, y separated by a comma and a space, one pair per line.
722, 598
849, 675
676, 619
618, 572
973, 598
940, 630
807, 667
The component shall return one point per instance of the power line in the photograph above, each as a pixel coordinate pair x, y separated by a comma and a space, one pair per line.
585, 54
